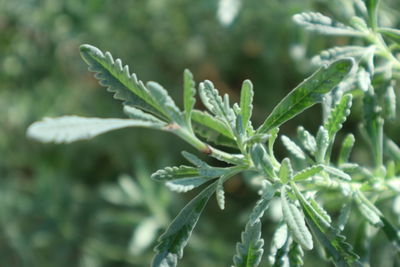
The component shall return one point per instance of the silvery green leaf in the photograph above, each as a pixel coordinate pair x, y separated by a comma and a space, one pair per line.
220, 193
279, 239
320, 210
308, 93
346, 148
285, 171
337, 172
338, 116
295, 222
246, 102
194, 160
296, 255
338, 52
138, 114
213, 123
262, 204
171, 243
250, 250
215, 104
189, 92
261, 160
344, 215
307, 140
314, 21
307, 173
389, 107
165, 102
293, 148
367, 209
118, 80
322, 144
68, 129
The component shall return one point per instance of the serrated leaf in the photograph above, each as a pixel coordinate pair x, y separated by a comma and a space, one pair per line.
262, 205
337, 172
322, 144
293, 148
189, 92
220, 193
320, 210
295, 222
334, 243
215, 104
68, 129
338, 116
165, 103
279, 241
171, 243
285, 171
346, 148
308, 93
307, 140
250, 250
314, 21
367, 209
307, 173
261, 161
338, 52
118, 80
246, 102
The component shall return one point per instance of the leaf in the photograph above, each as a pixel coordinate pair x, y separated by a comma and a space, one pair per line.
392, 233
308, 93
296, 255
338, 116
344, 215
118, 80
246, 102
391, 149
307, 173
314, 21
68, 129
171, 243
250, 250
338, 52
307, 140
293, 148
262, 204
320, 210
194, 160
389, 108
346, 148
278, 250
334, 243
214, 103
295, 222
211, 122
138, 114
185, 178
165, 103
220, 193
286, 171
261, 161
372, 7
367, 209
337, 172
189, 92
322, 144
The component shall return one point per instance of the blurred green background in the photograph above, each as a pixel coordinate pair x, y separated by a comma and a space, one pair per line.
92, 203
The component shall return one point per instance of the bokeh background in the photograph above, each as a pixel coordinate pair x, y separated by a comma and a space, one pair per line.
92, 203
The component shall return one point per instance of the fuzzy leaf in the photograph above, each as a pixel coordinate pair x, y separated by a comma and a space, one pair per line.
220, 193
246, 102
295, 222
293, 148
286, 171
262, 205
368, 210
308, 93
307, 140
307, 173
118, 80
138, 114
261, 161
171, 243
68, 129
322, 144
337, 172
250, 250
211, 122
189, 92
345, 212
215, 104
338, 116
346, 148
296, 255
334, 243
314, 21
278, 250
338, 52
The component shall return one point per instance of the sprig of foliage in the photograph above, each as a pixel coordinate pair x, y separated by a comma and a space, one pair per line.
301, 181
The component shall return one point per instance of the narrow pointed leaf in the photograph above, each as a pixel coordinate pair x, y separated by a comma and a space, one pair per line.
307, 173
250, 250
295, 222
68, 129
172, 242
308, 93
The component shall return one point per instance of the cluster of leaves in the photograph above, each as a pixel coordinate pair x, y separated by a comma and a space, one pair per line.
300, 181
